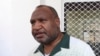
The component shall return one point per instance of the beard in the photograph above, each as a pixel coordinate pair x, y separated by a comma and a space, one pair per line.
49, 39
46, 38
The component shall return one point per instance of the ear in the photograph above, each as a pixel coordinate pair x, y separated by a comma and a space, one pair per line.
57, 22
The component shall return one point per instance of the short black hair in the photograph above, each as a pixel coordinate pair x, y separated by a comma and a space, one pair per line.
51, 8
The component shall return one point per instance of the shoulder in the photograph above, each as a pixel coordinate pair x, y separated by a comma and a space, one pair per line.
81, 47
77, 42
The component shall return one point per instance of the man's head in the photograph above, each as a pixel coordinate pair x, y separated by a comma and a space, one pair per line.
45, 24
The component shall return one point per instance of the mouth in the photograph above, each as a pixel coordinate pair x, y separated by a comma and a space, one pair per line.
39, 35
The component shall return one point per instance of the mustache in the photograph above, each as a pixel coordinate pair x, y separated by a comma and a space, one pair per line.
38, 32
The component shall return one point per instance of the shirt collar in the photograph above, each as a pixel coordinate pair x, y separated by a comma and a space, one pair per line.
64, 43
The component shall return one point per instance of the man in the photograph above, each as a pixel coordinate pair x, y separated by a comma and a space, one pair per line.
46, 30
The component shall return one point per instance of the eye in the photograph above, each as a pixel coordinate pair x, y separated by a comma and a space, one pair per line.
42, 20
32, 21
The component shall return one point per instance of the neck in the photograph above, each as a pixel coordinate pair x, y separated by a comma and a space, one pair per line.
48, 48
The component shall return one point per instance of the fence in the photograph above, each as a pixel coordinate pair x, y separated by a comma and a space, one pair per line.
82, 20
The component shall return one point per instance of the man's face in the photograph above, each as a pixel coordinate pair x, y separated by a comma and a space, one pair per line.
45, 26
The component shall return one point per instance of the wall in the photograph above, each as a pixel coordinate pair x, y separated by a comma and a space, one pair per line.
5, 28
15, 29
23, 41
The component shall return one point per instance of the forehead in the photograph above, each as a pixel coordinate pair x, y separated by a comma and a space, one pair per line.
42, 12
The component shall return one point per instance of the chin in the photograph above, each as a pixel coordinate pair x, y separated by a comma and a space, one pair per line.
45, 43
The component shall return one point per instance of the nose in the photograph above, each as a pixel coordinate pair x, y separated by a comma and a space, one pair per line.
37, 26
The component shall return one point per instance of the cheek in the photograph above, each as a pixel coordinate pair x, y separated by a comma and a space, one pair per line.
50, 27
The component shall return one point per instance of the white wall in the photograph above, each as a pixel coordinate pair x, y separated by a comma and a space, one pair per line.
15, 28
23, 41
5, 28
